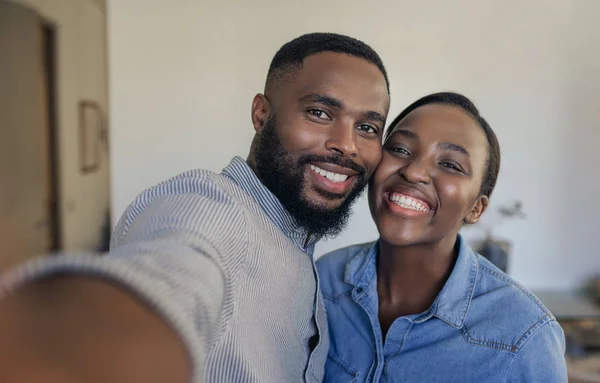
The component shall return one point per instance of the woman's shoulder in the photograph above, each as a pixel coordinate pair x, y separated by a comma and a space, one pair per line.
493, 280
340, 257
332, 266
502, 311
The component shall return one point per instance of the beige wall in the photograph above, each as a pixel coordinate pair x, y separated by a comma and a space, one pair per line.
81, 67
183, 74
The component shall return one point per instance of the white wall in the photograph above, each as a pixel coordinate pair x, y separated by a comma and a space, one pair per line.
81, 75
183, 74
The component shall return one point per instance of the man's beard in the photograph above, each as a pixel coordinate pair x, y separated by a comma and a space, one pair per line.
284, 177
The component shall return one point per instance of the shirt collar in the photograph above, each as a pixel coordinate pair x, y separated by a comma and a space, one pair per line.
451, 304
362, 268
243, 175
455, 298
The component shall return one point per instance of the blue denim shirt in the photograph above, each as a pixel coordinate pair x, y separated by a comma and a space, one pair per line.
482, 327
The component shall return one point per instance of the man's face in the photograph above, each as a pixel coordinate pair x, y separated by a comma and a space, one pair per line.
319, 138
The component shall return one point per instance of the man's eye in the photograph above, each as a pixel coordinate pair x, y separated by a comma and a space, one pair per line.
367, 129
318, 113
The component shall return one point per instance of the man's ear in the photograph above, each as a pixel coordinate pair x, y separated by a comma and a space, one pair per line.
479, 206
260, 112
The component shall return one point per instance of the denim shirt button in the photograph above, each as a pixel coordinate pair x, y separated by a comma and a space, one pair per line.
359, 290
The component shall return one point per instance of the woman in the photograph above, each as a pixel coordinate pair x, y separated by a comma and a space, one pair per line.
419, 305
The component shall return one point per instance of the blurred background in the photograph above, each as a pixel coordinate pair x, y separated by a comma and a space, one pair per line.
100, 99
54, 168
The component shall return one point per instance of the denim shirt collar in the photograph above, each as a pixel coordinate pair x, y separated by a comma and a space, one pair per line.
243, 175
452, 303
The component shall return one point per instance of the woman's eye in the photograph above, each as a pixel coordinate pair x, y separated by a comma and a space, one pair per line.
399, 150
451, 166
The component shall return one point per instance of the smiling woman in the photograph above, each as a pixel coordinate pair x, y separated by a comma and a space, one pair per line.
429, 299
437, 158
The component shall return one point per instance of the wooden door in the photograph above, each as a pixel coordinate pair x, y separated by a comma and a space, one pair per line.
26, 223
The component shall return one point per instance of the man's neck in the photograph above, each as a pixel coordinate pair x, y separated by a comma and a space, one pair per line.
251, 160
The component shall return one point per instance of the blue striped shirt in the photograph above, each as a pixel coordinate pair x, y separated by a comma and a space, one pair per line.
222, 261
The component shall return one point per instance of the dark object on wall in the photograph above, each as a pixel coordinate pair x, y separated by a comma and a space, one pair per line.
594, 289
91, 131
496, 252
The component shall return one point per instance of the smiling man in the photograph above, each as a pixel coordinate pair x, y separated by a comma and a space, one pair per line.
318, 142
210, 276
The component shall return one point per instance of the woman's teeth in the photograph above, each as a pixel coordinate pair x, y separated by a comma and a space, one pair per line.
409, 202
335, 177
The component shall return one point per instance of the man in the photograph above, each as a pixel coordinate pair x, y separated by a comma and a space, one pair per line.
211, 276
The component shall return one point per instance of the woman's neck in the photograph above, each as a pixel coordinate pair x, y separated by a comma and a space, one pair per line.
410, 278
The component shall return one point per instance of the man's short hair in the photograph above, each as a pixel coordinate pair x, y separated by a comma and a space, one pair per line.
289, 59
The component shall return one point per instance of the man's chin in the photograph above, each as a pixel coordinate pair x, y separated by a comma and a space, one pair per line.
320, 214
322, 200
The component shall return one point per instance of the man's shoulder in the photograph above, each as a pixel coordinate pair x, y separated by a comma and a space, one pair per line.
196, 201
190, 186
196, 182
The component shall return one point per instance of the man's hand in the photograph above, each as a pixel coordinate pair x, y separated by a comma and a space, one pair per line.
78, 329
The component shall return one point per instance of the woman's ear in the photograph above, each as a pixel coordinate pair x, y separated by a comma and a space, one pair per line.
479, 206
260, 112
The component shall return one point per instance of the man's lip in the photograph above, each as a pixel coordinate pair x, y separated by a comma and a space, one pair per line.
412, 192
338, 188
335, 168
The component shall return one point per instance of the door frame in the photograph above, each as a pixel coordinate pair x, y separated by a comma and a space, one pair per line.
50, 56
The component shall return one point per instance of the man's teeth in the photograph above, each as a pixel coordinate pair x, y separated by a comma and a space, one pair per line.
335, 177
409, 202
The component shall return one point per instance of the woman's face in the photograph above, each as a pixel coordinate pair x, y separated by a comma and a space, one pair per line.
430, 176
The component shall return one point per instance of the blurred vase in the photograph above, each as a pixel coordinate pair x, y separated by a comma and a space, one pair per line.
495, 251
594, 289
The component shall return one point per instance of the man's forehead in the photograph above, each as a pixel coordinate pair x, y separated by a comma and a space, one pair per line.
344, 77
328, 64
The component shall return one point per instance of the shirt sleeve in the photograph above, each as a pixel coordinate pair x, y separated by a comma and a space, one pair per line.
541, 358
177, 248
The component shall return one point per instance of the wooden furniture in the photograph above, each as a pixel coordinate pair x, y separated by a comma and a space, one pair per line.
579, 315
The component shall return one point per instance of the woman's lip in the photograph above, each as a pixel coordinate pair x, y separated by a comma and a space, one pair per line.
412, 193
405, 199
404, 212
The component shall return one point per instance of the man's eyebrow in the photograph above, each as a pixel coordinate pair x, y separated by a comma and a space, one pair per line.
375, 116
339, 104
325, 100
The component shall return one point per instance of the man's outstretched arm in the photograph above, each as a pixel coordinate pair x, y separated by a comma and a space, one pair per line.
147, 312
76, 329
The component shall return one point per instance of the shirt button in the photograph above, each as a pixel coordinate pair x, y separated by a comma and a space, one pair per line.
359, 290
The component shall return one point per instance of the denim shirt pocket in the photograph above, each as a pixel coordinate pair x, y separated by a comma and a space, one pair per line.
338, 371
